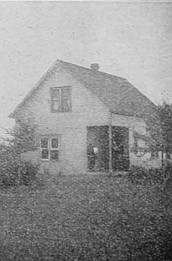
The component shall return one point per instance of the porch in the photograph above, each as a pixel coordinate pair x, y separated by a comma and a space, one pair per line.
107, 149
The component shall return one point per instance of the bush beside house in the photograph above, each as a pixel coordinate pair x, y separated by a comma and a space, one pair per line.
13, 170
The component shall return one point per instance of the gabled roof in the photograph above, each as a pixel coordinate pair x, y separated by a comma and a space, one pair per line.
115, 92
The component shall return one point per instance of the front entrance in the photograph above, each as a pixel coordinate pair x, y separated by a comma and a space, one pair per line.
98, 137
120, 148
98, 148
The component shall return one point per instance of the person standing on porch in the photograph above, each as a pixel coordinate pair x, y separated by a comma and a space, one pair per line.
95, 149
92, 157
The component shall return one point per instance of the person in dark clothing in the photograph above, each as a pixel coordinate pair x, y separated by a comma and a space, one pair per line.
92, 156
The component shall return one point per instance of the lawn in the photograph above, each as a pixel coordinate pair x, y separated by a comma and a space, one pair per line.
92, 217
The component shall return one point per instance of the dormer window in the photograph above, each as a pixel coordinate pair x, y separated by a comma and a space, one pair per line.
61, 99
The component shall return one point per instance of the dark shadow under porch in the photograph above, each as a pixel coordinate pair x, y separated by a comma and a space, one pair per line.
101, 145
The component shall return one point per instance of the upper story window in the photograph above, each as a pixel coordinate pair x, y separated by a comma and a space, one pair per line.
61, 99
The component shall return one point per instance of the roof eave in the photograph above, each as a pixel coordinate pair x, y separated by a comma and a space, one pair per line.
127, 114
16, 110
12, 115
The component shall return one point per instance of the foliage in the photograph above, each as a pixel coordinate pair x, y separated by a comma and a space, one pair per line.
27, 172
159, 128
140, 175
165, 115
139, 151
23, 136
9, 164
22, 140
13, 171
154, 130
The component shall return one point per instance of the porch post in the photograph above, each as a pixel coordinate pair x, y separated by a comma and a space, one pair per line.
110, 142
162, 159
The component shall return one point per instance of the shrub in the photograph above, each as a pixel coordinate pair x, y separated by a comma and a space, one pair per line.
22, 139
12, 170
7, 180
27, 172
9, 164
140, 175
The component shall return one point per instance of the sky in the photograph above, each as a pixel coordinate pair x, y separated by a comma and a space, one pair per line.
132, 40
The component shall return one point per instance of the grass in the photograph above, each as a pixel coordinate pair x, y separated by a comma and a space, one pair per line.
85, 218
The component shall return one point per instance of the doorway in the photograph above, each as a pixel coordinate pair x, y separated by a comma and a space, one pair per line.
98, 137
98, 140
120, 148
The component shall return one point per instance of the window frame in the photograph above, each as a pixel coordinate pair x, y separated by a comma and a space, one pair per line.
155, 154
49, 148
41, 149
60, 99
54, 149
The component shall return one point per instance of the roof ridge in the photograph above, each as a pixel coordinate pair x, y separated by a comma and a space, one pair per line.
91, 70
109, 88
108, 74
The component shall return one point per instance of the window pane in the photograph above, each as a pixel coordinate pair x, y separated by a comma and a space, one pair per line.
65, 99
54, 154
55, 94
44, 154
65, 105
44, 143
65, 92
56, 105
54, 143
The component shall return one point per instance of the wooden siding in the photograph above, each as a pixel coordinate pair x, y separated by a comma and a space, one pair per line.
87, 110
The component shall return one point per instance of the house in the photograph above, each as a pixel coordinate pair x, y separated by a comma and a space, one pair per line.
77, 109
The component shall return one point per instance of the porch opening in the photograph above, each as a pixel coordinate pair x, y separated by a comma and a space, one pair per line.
98, 148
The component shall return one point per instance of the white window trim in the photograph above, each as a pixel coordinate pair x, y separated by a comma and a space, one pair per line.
41, 149
50, 147
60, 100
54, 149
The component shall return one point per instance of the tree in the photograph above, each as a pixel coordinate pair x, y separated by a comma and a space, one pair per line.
154, 132
165, 115
22, 139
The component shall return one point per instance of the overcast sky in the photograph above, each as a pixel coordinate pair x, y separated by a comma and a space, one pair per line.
131, 40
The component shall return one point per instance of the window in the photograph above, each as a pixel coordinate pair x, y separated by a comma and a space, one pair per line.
44, 148
61, 99
139, 147
154, 154
50, 148
54, 149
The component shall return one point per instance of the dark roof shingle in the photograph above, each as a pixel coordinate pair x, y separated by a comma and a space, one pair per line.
115, 92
